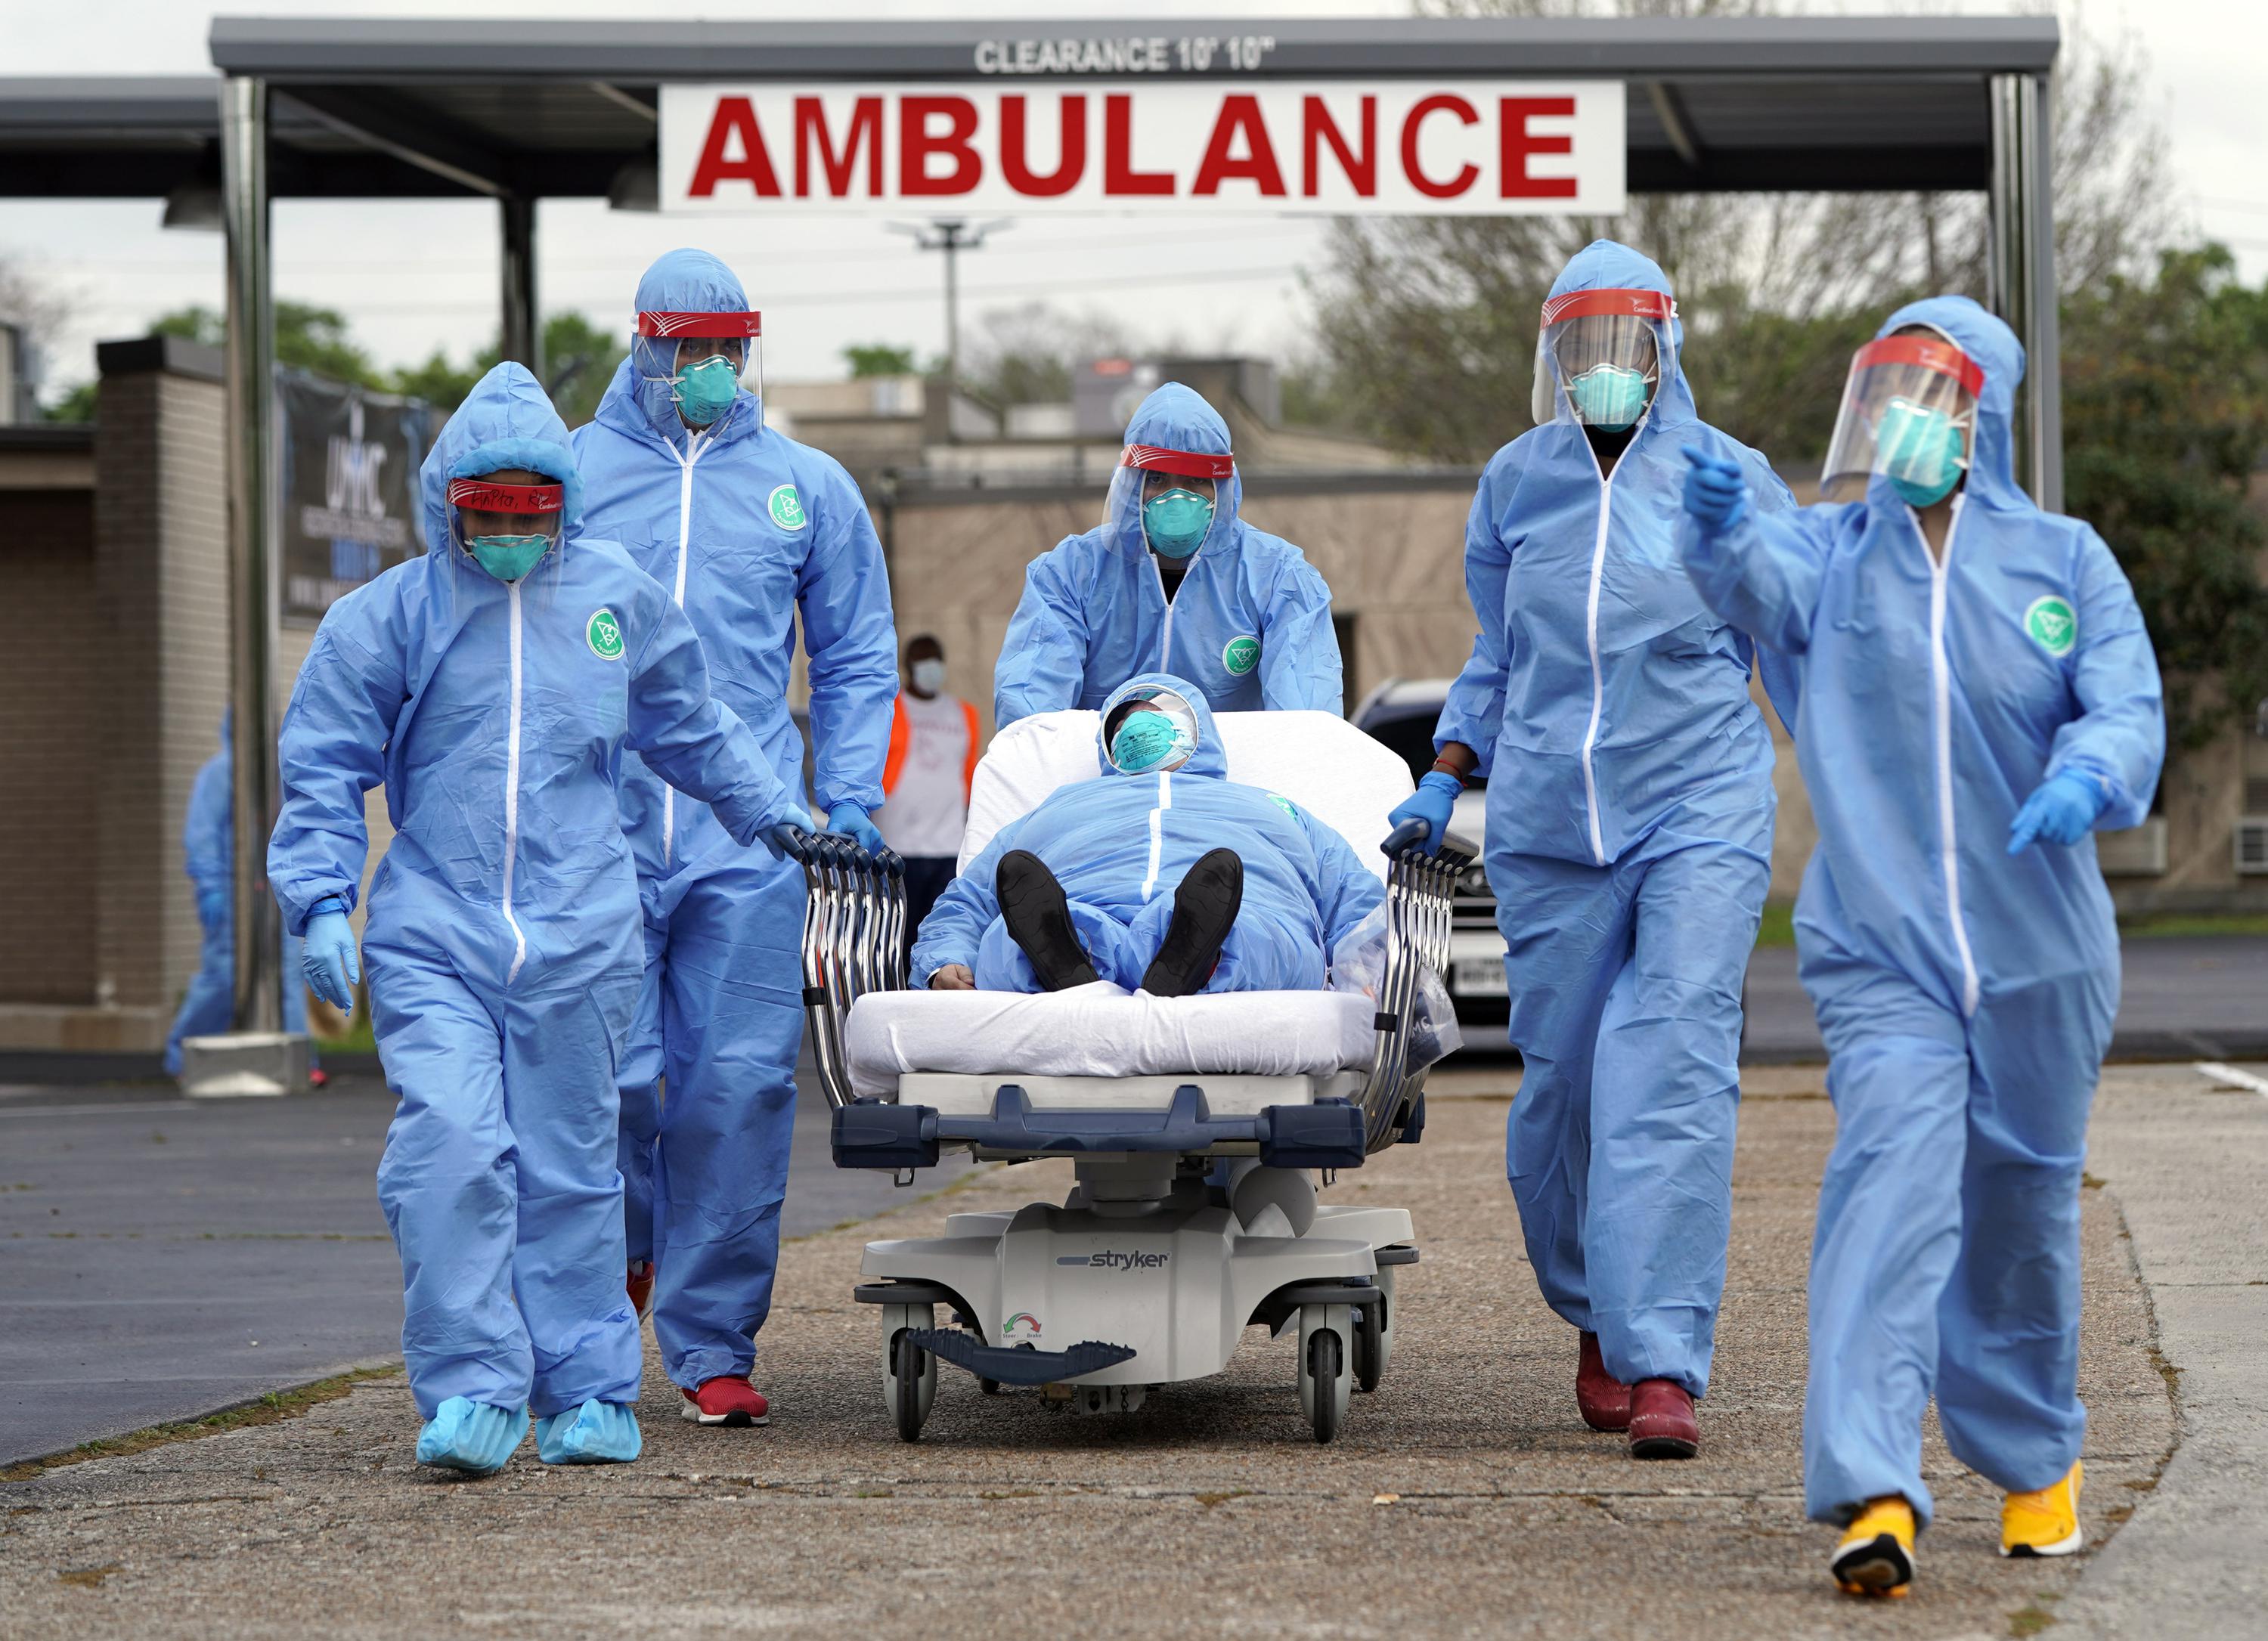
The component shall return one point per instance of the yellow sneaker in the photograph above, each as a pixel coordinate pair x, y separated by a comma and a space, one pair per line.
1876, 1554
2045, 1523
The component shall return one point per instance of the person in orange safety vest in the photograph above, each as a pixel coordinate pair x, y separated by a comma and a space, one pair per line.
934, 746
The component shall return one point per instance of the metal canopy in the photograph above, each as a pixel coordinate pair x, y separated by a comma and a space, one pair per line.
1754, 104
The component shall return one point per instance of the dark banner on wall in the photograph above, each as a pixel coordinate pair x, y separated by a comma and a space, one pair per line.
350, 472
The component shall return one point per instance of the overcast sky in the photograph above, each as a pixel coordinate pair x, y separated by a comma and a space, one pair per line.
413, 275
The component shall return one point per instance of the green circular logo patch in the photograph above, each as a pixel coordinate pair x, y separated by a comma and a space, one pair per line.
787, 508
1240, 654
2052, 625
604, 634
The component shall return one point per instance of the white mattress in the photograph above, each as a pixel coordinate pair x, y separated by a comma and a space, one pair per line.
1100, 1031
1319, 761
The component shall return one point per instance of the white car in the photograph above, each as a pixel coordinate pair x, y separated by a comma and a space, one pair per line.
1400, 714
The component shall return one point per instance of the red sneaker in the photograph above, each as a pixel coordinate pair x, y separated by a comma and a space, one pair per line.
639, 1285
1604, 1399
726, 1401
1661, 1421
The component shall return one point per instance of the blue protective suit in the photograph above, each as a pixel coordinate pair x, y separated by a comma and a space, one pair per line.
1250, 624
1119, 844
1630, 826
502, 941
209, 847
750, 530
1966, 996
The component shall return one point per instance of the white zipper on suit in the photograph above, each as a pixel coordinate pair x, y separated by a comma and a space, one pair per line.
1157, 832
1591, 636
511, 793
694, 446
1941, 672
1165, 649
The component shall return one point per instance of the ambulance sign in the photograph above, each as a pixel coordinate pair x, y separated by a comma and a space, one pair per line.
1031, 148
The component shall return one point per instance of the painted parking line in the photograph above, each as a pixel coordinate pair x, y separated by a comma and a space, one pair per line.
2220, 1073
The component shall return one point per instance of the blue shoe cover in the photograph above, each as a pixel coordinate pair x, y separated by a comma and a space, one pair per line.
597, 1433
471, 1436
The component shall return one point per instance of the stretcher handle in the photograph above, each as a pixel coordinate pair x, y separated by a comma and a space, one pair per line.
1410, 832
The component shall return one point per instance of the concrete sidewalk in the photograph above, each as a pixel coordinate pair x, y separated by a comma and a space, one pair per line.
1465, 1497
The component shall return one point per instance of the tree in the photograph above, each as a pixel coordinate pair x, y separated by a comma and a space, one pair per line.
1428, 324
1026, 354
307, 338
2165, 423
578, 360
878, 358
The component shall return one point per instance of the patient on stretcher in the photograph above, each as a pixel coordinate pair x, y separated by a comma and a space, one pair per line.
1162, 875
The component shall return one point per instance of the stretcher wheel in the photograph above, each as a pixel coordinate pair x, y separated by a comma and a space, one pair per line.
1369, 1357
1325, 1331
1373, 1335
913, 1385
1323, 1384
990, 1387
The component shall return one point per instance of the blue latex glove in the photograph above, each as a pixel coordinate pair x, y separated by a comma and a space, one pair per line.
775, 838
1433, 802
330, 961
2060, 811
1715, 494
850, 820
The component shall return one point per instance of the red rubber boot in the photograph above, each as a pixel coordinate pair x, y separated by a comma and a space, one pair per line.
1661, 1421
1603, 1400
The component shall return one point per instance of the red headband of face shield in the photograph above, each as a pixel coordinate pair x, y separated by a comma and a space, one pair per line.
1645, 305
675, 326
1187, 464
1940, 357
483, 496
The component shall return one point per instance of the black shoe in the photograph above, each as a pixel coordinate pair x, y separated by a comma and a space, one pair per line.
1032, 905
1204, 911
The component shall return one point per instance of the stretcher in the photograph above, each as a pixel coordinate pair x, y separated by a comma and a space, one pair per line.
1194, 1213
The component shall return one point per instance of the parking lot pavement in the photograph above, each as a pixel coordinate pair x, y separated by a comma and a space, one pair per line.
163, 1257
1465, 1497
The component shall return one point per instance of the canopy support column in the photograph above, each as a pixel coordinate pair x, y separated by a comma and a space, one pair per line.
252, 488
2022, 271
523, 326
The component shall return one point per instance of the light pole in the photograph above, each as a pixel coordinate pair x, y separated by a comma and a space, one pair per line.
951, 236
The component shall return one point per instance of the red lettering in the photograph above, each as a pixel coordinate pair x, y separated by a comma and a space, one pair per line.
1317, 127
865, 132
1239, 114
917, 145
1071, 162
734, 116
1118, 173
1418, 179
1515, 143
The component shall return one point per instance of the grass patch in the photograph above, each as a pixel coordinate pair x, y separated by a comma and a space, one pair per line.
2030, 1621
359, 1038
2161, 925
1214, 1501
1777, 926
272, 1408
89, 1577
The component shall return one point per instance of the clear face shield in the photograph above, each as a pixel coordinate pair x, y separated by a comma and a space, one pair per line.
1174, 494
505, 524
1152, 729
1605, 347
702, 358
1909, 414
